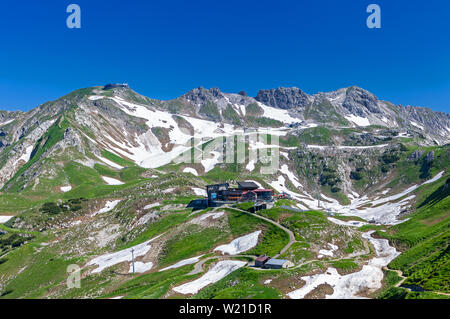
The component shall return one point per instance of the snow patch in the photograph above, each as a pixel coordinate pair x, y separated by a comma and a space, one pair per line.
4, 219
152, 205
438, 176
66, 189
25, 156
109, 206
358, 120
383, 210
111, 259
349, 286
352, 223
285, 154
140, 267
95, 97
219, 271
190, 170
417, 125
184, 262
112, 181
327, 252
277, 114
210, 162
110, 163
207, 215
240, 244
7, 122
250, 166
199, 191
294, 180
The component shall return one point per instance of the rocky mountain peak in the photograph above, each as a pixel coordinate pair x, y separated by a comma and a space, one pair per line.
283, 98
201, 95
360, 102
116, 86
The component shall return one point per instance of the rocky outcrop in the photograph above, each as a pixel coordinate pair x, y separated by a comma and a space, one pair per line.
361, 102
115, 86
284, 98
200, 95
416, 155
434, 123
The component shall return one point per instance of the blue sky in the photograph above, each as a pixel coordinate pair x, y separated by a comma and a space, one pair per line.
165, 48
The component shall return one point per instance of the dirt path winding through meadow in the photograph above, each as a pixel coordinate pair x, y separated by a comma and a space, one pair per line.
400, 274
288, 231
198, 267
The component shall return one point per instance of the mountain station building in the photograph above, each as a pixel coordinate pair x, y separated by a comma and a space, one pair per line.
244, 192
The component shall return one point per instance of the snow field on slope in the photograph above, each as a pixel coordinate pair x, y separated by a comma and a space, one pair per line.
250, 166
182, 263
110, 205
219, 271
240, 244
111, 259
25, 156
7, 122
66, 189
140, 267
149, 153
358, 120
328, 252
110, 163
277, 114
322, 147
152, 205
294, 180
112, 181
353, 223
206, 216
349, 286
381, 210
4, 219
191, 170
199, 191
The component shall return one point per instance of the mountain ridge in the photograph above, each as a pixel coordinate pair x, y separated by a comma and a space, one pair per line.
153, 132
101, 170
260, 93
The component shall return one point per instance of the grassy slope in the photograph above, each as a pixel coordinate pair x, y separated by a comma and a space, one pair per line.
426, 238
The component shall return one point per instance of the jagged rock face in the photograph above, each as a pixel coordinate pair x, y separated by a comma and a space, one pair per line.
416, 155
283, 98
430, 157
361, 102
201, 95
435, 122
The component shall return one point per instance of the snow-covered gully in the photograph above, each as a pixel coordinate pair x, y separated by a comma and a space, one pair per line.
382, 211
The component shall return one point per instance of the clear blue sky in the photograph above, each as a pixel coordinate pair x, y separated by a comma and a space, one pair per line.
165, 48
